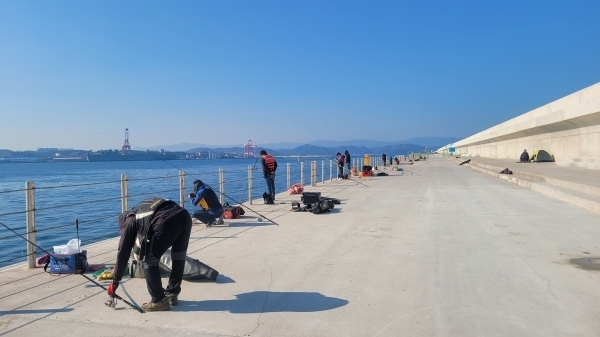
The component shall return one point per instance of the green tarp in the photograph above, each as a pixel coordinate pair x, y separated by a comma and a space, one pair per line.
541, 156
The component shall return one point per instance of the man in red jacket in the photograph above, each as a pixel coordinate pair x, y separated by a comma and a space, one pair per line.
269, 165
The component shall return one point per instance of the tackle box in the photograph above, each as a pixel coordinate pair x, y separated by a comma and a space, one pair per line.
68, 263
309, 198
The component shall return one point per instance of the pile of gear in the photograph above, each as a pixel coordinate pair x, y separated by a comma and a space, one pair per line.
314, 203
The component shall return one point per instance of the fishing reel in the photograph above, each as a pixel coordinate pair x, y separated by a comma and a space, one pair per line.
111, 302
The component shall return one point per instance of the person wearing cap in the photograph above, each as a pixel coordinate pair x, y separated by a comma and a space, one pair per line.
269, 166
212, 211
524, 157
147, 231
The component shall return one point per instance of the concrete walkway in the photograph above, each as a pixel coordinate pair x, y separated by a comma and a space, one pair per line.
577, 186
441, 250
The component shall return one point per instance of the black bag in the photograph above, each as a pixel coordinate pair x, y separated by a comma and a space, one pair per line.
322, 206
193, 269
267, 198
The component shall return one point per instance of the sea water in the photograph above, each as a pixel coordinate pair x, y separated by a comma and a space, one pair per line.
91, 193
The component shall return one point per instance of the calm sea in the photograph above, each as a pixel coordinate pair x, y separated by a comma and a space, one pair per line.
90, 192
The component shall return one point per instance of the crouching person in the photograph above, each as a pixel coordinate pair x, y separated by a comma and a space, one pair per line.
149, 229
212, 210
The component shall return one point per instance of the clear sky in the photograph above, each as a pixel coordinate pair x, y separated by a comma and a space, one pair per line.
223, 72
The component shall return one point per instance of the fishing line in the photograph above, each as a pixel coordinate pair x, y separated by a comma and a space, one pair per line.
343, 167
228, 197
89, 279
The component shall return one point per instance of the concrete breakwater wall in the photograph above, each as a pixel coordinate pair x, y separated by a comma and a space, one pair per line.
568, 128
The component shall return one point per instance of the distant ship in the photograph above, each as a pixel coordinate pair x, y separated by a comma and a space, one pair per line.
113, 155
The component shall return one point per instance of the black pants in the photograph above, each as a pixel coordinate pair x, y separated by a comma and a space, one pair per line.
175, 234
208, 216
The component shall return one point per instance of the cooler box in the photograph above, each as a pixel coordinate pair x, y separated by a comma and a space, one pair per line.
68, 263
309, 198
367, 160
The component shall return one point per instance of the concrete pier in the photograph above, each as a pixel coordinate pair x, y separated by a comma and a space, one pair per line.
437, 250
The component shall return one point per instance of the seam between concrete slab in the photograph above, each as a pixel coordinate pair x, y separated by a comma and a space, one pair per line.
586, 204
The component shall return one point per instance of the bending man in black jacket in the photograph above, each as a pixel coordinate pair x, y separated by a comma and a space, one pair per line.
149, 229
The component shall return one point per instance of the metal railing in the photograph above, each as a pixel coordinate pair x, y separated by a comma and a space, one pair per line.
43, 212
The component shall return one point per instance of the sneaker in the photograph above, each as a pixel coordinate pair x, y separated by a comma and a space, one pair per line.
219, 220
172, 298
163, 305
211, 223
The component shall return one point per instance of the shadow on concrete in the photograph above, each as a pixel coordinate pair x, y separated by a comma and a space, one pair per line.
221, 279
266, 301
586, 263
33, 311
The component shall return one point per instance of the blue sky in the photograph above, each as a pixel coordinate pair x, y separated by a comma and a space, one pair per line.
223, 72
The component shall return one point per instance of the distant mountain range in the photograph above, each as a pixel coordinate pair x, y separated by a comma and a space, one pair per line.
368, 145
324, 151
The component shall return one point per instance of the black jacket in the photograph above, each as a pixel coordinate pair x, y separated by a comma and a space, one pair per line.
524, 156
347, 157
129, 230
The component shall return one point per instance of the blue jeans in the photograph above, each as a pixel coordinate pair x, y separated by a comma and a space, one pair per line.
349, 167
271, 185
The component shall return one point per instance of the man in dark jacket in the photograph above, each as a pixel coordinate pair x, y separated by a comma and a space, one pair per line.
348, 162
149, 229
212, 211
269, 166
524, 157
383, 156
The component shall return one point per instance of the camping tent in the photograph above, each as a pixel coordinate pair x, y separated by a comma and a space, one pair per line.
541, 156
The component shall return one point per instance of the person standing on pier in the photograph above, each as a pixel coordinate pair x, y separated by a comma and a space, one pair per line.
212, 211
348, 162
269, 166
340, 159
383, 156
149, 229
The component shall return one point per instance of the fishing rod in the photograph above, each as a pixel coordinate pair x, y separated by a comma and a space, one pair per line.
141, 311
191, 175
349, 173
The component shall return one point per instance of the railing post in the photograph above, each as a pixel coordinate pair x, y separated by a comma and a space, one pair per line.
182, 188
302, 173
30, 215
124, 194
322, 171
312, 173
289, 175
330, 170
250, 184
221, 185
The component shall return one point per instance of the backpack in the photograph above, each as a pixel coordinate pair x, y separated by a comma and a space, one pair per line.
232, 212
267, 198
322, 206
